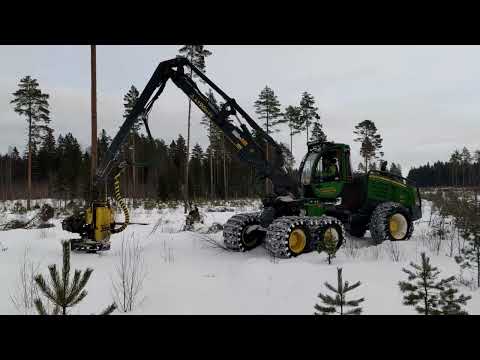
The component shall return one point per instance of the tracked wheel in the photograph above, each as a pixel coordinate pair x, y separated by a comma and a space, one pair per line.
391, 221
239, 232
291, 236
330, 229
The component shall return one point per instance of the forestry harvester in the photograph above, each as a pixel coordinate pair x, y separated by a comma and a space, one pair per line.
299, 213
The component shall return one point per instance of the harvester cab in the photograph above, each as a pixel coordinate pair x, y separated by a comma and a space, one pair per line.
325, 169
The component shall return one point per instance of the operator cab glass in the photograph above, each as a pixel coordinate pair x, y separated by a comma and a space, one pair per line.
307, 168
320, 167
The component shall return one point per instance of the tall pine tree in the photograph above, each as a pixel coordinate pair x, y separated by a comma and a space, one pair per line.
32, 103
267, 107
370, 140
309, 112
292, 118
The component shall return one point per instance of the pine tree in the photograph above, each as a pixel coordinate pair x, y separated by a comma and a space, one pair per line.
337, 304
196, 54
329, 245
309, 112
292, 118
371, 141
317, 132
450, 303
31, 102
62, 291
267, 107
422, 289
469, 257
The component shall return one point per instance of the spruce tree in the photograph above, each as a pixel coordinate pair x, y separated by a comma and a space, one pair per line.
423, 290
62, 291
196, 54
104, 142
337, 304
395, 169
32, 103
196, 172
47, 159
466, 160
370, 140
309, 112
130, 99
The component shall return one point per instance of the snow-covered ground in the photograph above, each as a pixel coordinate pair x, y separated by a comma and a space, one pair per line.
186, 274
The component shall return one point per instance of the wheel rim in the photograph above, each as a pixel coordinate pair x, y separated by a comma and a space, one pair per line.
297, 241
331, 234
398, 226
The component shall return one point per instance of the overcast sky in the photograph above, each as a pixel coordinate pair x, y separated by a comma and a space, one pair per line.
423, 99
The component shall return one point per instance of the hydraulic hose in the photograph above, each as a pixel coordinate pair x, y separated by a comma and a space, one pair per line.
121, 202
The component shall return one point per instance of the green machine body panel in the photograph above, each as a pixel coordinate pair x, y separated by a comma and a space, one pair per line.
359, 194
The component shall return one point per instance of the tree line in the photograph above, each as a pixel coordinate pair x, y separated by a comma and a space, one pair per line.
462, 169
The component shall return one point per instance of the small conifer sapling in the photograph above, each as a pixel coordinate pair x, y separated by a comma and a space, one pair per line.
339, 303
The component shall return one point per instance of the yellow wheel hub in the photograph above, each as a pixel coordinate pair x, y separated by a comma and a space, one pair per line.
297, 241
398, 226
331, 235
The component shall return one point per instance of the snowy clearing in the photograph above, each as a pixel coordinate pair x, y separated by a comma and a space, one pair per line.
188, 274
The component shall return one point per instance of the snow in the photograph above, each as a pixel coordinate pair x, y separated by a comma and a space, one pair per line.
186, 274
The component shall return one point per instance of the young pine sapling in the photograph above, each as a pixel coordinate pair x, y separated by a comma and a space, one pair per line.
337, 304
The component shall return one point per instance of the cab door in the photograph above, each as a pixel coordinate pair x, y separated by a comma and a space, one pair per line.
327, 188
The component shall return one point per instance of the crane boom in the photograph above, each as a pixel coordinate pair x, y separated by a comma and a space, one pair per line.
96, 225
246, 146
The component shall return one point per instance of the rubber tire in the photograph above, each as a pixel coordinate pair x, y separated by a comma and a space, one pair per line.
308, 240
258, 239
337, 227
379, 222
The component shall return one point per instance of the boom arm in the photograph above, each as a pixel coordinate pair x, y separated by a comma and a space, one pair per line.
247, 148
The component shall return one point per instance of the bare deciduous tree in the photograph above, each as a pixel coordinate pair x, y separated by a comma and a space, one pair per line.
394, 251
130, 273
26, 290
